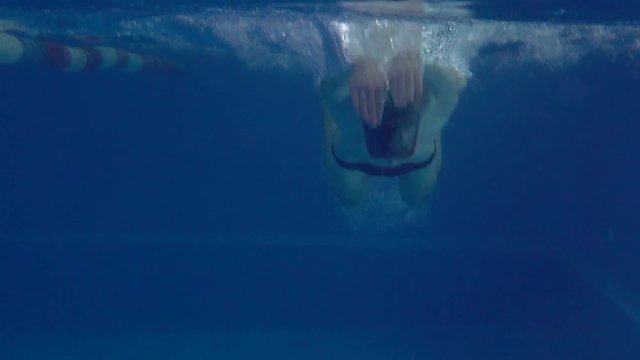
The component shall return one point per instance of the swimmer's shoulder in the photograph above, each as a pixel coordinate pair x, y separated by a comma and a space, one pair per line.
443, 80
442, 84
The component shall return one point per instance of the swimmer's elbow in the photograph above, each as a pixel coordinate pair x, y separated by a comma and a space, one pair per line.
444, 107
446, 98
460, 82
444, 82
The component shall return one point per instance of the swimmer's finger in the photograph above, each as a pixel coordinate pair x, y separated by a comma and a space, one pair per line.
355, 100
402, 93
418, 86
363, 107
380, 95
372, 107
409, 88
393, 88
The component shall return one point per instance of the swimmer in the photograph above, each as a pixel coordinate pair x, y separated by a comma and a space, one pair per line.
383, 118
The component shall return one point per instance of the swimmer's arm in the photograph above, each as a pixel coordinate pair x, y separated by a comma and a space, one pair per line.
445, 84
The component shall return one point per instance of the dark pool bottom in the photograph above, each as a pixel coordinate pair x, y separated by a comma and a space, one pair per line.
444, 304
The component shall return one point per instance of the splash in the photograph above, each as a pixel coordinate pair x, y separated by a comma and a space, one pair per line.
294, 41
384, 212
294, 37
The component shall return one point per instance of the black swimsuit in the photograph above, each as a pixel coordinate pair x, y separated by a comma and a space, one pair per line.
386, 171
396, 137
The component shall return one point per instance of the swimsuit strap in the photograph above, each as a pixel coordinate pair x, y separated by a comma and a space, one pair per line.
384, 171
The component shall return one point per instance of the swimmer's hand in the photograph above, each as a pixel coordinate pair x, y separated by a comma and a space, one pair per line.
368, 91
405, 79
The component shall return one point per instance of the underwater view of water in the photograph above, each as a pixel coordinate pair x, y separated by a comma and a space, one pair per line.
165, 193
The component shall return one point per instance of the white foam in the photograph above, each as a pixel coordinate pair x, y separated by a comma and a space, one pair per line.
290, 41
292, 38
384, 211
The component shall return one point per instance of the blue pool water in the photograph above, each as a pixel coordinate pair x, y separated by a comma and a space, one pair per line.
180, 208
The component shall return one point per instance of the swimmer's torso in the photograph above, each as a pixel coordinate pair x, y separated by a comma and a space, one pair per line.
382, 40
410, 140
